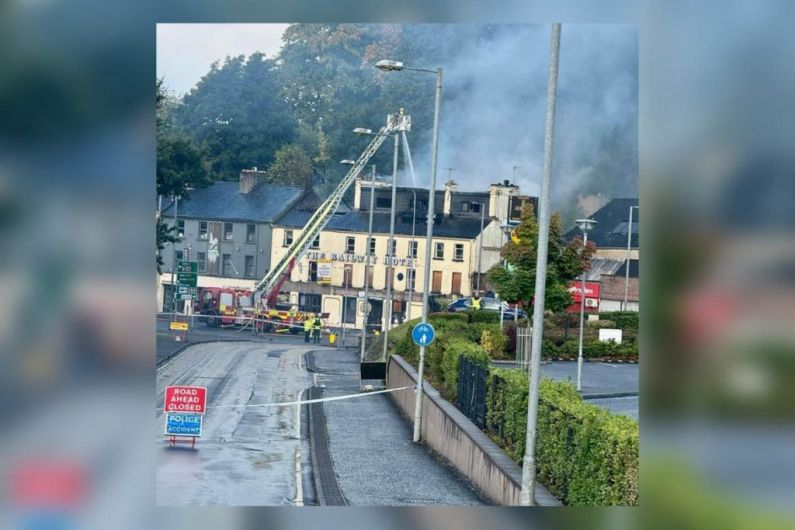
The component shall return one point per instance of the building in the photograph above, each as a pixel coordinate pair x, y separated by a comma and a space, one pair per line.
608, 266
227, 229
331, 277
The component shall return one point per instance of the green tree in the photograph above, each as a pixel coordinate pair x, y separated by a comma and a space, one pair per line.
291, 166
565, 261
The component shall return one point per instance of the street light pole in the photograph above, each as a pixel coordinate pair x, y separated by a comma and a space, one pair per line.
585, 225
412, 257
174, 262
390, 249
480, 244
367, 266
629, 250
428, 242
528, 462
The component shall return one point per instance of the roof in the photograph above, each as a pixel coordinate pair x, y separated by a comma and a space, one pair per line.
612, 222
357, 221
222, 201
634, 269
600, 266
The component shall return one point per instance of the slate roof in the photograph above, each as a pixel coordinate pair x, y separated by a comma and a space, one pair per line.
222, 201
611, 228
357, 221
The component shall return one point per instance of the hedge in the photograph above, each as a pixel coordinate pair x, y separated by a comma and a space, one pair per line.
494, 341
586, 456
623, 319
592, 349
453, 351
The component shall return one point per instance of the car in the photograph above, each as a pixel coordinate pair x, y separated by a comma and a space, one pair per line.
486, 304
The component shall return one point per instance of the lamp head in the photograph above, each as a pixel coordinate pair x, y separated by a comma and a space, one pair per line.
586, 225
388, 65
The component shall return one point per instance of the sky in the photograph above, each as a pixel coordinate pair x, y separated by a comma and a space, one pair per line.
186, 51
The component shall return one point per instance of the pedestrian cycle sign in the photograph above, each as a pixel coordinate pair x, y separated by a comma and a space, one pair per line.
181, 424
423, 334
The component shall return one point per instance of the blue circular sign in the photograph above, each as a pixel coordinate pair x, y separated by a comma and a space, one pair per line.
423, 334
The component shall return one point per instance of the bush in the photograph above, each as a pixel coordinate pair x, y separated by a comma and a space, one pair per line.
491, 317
623, 319
494, 342
449, 316
406, 348
453, 351
585, 455
600, 324
510, 335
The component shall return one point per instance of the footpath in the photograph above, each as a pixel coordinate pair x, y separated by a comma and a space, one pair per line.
374, 459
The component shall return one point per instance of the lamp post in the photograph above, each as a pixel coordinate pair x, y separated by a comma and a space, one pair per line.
629, 249
527, 497
412, 257
585, 225
390, 250
480, 244
367, 266
345, 280
389, 65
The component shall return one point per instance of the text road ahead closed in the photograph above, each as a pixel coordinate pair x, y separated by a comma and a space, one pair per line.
185, 399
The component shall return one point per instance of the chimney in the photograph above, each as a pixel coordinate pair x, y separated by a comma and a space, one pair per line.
449, 187
250, 179
500, 199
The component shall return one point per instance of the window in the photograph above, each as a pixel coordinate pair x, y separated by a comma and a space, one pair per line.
459, 252
383, 202
350, 245
413, 248
309, 302
249, 268
372, 246
474, 207
181, 228
439, 251
180, 255
228, 231
316, 242
201, 259
226, 265
313, 271
465, 206
288, 238
202, 229
369, 277
411, 280
251, 233
394, 247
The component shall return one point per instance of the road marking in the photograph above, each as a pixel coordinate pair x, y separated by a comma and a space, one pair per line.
609, 364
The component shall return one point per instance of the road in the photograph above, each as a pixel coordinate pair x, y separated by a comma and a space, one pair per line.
603, 384
247, 456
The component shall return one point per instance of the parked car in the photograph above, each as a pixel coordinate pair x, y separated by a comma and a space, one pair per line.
486, 304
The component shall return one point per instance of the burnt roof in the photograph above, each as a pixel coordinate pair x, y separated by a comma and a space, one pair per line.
611, 228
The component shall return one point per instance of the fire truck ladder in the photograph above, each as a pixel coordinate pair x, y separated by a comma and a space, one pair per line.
269, 286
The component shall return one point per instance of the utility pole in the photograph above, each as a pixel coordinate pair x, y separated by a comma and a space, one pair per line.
480, 244
629, 250
412, 257
174, 262
368, 266
513, 179
390, 254
529, 462
450, 172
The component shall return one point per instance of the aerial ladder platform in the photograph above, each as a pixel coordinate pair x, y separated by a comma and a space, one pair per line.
269, 286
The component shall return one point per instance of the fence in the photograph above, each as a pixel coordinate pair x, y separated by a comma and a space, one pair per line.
472, 391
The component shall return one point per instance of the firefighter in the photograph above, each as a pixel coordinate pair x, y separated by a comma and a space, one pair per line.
316, 325
476, 301
307, 328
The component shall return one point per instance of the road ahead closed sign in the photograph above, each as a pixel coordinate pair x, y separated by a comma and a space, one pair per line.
192, 399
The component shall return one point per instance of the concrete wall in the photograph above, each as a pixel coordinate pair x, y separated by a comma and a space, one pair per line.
448, 432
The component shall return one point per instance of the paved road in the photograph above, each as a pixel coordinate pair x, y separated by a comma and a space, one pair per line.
246, 456
599, 379
374, 458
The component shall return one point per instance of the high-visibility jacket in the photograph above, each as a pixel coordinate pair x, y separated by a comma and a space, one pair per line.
317, 323
308, 324
475, 303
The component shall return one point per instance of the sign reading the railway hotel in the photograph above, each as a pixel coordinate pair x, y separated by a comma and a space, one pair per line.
361, 258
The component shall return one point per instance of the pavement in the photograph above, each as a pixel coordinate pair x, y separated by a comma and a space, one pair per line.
370, 444
613, 386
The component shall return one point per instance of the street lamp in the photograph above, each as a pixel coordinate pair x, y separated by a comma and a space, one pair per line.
347, 162
362, 131
629, 249
388, 66
585, 225
480, 244
390, 249
411, 256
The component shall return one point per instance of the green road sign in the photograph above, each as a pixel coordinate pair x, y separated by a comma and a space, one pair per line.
191, 267
186, 279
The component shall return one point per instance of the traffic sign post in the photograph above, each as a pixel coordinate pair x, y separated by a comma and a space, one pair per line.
423, 334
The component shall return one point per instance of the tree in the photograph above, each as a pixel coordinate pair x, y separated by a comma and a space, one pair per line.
292, 166
565, 261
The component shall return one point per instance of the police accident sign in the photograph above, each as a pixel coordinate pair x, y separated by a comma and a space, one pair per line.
192, 399
178, 424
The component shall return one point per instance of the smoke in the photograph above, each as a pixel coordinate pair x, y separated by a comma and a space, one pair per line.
494, 105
